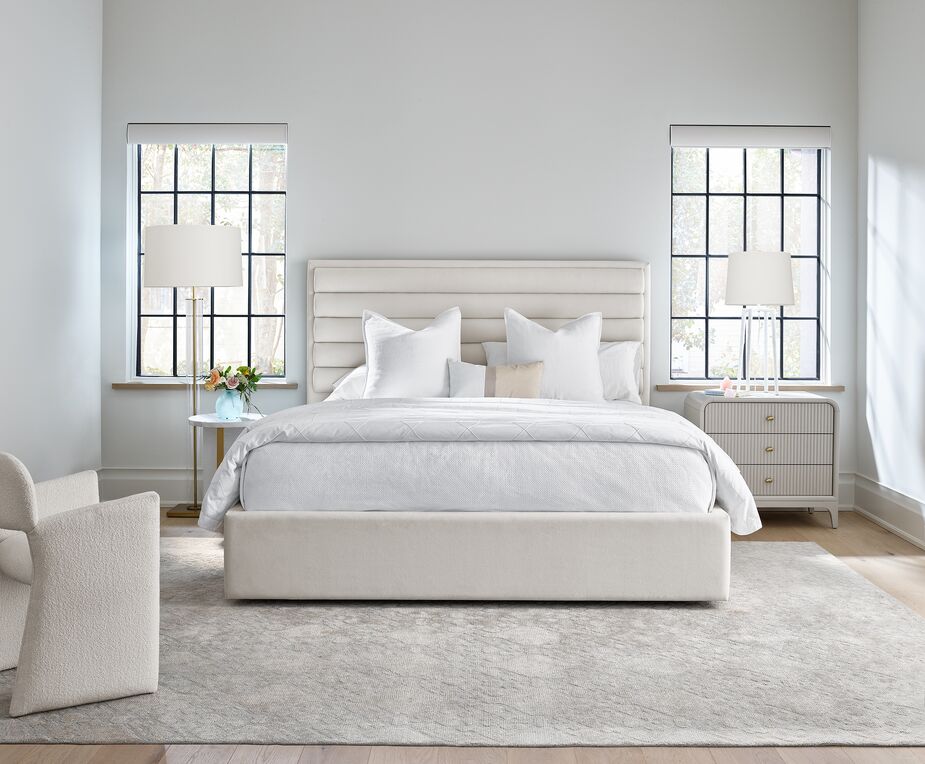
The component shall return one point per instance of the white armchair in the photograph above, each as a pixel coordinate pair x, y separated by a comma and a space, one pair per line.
79, 590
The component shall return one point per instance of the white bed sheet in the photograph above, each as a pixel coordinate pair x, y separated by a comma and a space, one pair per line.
642, 454
471, 476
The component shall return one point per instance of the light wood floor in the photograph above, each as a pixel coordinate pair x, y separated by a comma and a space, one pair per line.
891, 563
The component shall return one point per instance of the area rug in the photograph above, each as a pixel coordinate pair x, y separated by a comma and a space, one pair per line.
806, 652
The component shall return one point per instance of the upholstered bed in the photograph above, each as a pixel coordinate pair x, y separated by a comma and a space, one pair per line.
479, 499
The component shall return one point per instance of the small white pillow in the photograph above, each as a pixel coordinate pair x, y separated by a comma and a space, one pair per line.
571, 369
403, 363
621, 366
350, 386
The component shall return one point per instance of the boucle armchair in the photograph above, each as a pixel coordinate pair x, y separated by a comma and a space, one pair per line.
79, 590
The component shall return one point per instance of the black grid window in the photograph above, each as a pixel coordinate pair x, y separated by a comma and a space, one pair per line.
238, 185
731, 200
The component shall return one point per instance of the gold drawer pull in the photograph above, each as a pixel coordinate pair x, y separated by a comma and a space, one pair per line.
769, 418
769, 480
769, 449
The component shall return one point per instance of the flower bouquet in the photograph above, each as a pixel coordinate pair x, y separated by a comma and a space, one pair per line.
237, 387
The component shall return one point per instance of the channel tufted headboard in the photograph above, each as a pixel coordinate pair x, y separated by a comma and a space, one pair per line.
412, 292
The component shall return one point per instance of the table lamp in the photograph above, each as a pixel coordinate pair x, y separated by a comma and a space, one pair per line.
194, 256
759, 281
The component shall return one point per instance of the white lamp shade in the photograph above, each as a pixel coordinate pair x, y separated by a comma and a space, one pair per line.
192, 256
759, 278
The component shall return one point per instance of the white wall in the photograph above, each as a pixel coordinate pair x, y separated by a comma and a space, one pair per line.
50, 91
891, 223
522, 128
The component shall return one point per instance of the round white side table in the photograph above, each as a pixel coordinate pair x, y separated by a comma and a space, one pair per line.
213, 436
218, 426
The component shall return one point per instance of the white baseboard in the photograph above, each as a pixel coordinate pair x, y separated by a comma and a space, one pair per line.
893, 510
175, 486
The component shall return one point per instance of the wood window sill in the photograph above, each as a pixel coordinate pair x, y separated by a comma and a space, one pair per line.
182, 385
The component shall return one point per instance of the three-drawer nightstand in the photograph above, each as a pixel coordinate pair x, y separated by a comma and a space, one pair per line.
785, 445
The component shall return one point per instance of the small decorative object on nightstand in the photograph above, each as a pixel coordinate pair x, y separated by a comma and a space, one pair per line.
785, 445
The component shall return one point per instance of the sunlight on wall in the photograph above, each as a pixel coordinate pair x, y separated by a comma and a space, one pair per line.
895, 368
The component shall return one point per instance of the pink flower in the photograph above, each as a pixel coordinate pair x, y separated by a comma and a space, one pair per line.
725, 384
231, 382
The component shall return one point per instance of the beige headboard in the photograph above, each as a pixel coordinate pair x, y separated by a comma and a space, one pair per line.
412, 292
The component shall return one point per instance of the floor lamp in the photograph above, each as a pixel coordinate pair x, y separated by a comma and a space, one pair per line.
197, 257
759, 282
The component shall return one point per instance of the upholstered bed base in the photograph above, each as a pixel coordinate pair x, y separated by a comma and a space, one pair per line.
579, 556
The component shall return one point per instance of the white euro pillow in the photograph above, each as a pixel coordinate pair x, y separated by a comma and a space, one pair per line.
621, 363
621, 367
404, 363
571, 369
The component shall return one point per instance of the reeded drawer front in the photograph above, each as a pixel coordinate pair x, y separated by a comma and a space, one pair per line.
777, 449
761, 418
789, 480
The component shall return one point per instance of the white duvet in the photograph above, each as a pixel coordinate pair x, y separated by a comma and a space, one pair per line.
506, 429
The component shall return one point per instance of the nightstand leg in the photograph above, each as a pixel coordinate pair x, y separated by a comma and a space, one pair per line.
219, 446
834, 513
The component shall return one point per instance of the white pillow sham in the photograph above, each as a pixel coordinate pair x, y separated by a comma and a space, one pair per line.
404, 363
571, 369
350, 386
621, 367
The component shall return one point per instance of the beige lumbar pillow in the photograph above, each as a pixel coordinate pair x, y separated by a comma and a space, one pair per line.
519, 380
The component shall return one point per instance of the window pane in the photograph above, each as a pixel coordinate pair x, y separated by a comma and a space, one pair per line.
268, 284
726, 224
688, 170
231, 209
800, 338
156, 209
688, 225
267, 346
800, 225
726, 171
763, 224
185, 293
763, 171
724, 348
687, 348
269, 234
233, 299
269, 167
194, 171
718, 307
688, 285
805, 293
757, 357
156, 347
157, 300
231, 171
800, 171
194, 209
230, 341
202, 352
157, 167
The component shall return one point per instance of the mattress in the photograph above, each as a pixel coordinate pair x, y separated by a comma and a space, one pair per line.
478, 455
476, 477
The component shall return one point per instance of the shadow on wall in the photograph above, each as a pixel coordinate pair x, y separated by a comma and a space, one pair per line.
894, 404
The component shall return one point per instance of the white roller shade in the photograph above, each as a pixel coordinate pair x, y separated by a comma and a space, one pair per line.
751, 137
204, 132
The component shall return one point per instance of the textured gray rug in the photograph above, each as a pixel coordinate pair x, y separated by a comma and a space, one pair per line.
807, 652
